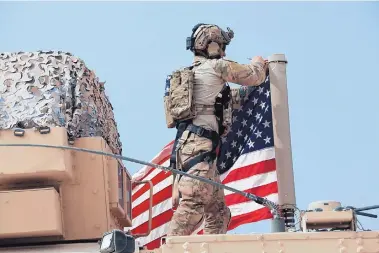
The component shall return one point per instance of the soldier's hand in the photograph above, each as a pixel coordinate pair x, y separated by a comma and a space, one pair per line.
175, 202
258, 59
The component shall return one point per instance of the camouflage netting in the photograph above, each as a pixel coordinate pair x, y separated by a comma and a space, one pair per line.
53, 88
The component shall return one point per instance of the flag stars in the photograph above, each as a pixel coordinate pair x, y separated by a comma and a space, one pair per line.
246, 137
267, 93
257, 116
244, 122
249, 112
250, 144
255, 101
260, 89
252, 127
258, 134
267, 140
234, 144
223, 165
266, 123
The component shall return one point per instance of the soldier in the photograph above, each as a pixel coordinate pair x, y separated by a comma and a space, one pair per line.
198, 138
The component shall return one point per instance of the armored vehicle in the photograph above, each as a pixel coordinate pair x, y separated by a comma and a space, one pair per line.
64, 187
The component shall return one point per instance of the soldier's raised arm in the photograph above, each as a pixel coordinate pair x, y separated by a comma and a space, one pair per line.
251, 74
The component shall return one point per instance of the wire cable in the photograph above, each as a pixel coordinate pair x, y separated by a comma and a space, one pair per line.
262, 201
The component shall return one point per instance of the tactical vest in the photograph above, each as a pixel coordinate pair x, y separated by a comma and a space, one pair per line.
179, 103
180, 109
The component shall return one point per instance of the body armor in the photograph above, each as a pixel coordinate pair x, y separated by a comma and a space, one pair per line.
179, 104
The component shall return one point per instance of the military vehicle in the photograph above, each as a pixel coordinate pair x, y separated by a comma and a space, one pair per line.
64, 188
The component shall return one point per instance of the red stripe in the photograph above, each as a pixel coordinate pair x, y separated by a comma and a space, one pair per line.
250, 170
261, 191
157, 221
155, 180
170, 143
160, 159
154, 244
160, 162
254, 216
157, 198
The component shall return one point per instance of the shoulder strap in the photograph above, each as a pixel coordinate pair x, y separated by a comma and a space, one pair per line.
195, 64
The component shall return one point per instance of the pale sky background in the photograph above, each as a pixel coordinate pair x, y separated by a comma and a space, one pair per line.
333, 54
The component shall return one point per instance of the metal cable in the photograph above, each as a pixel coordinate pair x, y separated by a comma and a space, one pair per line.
262, 201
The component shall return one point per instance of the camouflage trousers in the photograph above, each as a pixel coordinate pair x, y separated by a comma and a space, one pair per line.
200, 201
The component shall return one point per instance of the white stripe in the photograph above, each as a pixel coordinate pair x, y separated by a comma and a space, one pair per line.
251, 158
157, 188
157, 209
154, 234
145, 169
250, 206
244, 184
238, 209
251, 182
151, 175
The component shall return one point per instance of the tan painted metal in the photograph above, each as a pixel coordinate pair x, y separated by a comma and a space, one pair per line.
87, 194
281, 130
286, 242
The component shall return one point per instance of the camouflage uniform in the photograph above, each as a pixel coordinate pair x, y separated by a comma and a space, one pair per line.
199, 200
202, 201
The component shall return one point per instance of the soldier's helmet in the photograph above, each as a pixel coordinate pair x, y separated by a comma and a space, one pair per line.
204, 34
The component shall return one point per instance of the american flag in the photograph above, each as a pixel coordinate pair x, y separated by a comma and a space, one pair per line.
247, 162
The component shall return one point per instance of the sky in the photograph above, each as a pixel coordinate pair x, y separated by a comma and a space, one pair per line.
332, 73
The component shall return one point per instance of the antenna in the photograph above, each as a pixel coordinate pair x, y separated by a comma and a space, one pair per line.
358, 211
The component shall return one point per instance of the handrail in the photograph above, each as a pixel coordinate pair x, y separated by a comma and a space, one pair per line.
150, 221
